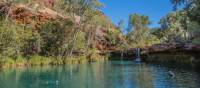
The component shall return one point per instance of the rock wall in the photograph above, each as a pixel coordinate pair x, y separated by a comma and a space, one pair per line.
171, 49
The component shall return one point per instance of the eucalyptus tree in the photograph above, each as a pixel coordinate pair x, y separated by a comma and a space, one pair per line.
78, 11
192, 7
175, 25
186, 3
94, 21
141, 36
195, 12
139, 22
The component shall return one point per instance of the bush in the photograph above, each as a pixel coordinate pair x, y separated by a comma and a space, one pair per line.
80, 41
7, 62
71, 60
39, 60
20, 61
57, 61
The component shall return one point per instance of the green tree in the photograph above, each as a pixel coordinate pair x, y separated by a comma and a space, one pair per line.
192, 7
56, 37
176, 26
78, 10
141, 35
140, 22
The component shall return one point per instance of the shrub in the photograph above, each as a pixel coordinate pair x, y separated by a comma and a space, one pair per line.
39, 60
8, 62
20, 61
57, 61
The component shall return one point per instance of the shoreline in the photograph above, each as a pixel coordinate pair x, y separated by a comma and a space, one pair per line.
155, 53
48, 61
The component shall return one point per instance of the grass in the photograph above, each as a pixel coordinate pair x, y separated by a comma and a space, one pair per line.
75, 60
39, 60
6, 62
20, 61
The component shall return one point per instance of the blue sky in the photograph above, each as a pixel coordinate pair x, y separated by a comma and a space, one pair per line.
121, 9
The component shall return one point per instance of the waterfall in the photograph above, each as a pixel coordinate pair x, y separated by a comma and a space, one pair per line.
138, 59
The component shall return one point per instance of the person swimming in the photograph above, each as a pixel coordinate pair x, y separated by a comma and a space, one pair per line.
171, 74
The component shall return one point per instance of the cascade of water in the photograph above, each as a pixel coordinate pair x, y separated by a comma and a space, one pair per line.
138, 59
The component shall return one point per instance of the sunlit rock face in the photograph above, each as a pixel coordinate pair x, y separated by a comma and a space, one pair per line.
157, 48
31, 14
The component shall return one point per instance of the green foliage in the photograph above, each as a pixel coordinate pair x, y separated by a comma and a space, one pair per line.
182, 26
139, 22
21, 61
76, 60
100, 19
141, 36
32, 43
179, 28
6, 40
55, 38
175, 26
191, 6
195, 32
195, 12
11, 39
18, 40
112, 36
53, 35
80, 41
78, 8
6, 61
19, 1
194, 29
57, 61
40, 60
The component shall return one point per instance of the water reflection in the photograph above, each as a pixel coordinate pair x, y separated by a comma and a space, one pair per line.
113, 74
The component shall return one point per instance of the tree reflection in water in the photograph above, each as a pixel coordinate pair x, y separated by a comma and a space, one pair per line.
112, 74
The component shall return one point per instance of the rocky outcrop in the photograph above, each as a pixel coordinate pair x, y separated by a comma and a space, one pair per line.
159, 48
25, 14
102, 41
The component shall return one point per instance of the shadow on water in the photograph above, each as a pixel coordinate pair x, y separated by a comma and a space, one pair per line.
111, 74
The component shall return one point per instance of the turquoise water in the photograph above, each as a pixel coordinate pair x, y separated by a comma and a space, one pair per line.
112, 74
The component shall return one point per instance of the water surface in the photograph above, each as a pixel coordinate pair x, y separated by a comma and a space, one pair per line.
112, 74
